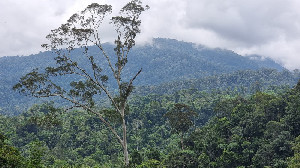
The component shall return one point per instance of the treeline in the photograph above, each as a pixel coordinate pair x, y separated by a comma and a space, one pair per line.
229, 130
242, 82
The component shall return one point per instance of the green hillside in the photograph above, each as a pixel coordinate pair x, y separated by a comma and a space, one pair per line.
163, 61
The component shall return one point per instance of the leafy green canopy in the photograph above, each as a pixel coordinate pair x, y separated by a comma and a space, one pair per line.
181, 118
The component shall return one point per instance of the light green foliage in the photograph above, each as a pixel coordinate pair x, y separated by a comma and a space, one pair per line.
294, 161
150, 164
34, 154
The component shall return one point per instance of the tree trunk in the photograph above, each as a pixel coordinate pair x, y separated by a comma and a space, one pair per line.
181, 140
125, 150
126, 155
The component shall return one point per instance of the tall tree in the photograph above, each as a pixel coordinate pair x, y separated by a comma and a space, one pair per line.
81, 31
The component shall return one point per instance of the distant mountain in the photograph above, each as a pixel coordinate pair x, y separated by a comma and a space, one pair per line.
168, 60
163, 61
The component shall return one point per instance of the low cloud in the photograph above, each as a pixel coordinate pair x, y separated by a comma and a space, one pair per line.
270, 27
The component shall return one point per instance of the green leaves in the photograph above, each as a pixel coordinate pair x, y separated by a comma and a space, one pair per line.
182, 159
79, 30
84, 91
9, 155
294, 161
36, 150
37, 84
127, 26
44, 115
180, 118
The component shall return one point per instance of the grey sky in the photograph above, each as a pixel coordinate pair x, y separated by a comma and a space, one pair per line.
267, 27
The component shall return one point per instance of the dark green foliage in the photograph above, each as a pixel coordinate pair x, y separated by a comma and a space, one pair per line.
44, 115
76, 138
10, 156
154, 154
293, 110
251, 131
232, 129
182, 159
180, 118
150, 164
136, 158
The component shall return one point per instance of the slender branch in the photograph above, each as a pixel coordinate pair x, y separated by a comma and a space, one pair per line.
131, 81
111, 98
101, 86
70, 108
98, 114
107, 58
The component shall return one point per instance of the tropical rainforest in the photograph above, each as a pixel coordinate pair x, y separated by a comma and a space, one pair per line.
227, 129
174, 104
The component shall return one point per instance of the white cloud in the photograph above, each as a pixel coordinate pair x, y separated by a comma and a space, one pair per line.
26, 23
249, 22
268, 27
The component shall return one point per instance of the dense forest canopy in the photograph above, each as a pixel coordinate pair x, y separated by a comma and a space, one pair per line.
230, 130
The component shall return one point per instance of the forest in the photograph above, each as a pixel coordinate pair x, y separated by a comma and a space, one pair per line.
171, 104
228, 130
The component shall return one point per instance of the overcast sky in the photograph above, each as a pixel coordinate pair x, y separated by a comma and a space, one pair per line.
270, 28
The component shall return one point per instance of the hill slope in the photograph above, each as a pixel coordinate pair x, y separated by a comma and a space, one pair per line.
168, 60
163, 61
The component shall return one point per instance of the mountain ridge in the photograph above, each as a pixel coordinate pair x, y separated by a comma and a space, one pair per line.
163, 61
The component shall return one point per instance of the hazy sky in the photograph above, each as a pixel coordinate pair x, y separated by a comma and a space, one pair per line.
267, 27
